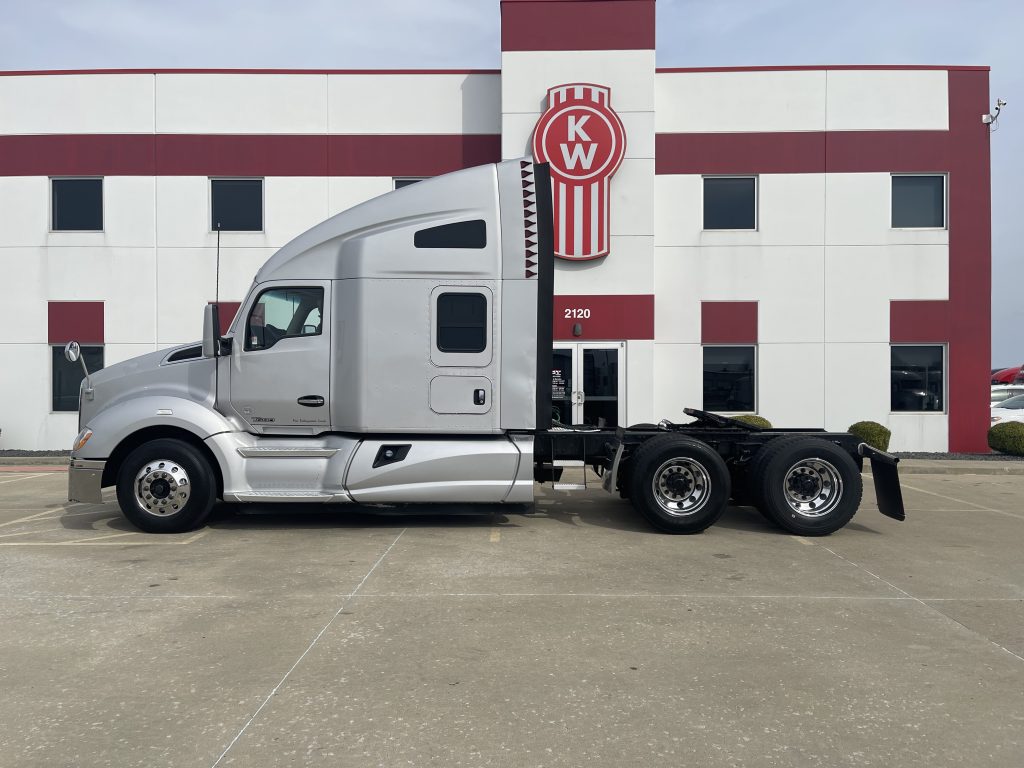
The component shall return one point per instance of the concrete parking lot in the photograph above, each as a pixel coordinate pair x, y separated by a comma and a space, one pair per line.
570, 635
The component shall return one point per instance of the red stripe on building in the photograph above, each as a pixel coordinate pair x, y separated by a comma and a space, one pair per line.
226, 311
244, 155
728, 322
80, 321
912, 322
569, 25
604, 317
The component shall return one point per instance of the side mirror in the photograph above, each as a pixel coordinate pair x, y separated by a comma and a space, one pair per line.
211, 330
72, 351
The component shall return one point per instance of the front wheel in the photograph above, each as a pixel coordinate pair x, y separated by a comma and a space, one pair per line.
808, 486
679, 484
166, 486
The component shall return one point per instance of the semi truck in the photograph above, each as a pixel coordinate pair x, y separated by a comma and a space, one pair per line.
400, 353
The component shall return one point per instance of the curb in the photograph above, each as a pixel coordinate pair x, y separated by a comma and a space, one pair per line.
34, 461
1009, 468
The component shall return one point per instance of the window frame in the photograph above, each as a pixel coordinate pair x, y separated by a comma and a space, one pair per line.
757, 199
757, 375
443, 359
103, 205
263, 204
246, 343
944, 411
78, 365
945, 202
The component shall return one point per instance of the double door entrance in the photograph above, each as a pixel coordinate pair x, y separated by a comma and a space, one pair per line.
588, 384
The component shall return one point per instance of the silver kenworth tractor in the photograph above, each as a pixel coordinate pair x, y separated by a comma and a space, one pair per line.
401, 352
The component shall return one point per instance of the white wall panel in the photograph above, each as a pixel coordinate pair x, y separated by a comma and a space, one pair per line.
919, 432
631, 204
860, 281
859, 212
24, 201
856, 384
460, 103
785, 281
887, 100
678, 380
344, 193
791, 211
726, 102
640, 382
790, 384
526, 76
517, 134
241, 103
628, 268
76, 104
24, 425
291, 205
24, 308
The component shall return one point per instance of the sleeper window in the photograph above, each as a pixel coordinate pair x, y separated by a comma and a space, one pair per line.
461, 322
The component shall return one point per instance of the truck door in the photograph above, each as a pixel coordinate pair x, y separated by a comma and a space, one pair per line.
281, 359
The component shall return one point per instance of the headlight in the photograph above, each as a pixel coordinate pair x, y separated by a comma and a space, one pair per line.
81, 440
996, 418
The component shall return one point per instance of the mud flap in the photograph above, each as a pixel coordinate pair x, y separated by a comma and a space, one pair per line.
888, 493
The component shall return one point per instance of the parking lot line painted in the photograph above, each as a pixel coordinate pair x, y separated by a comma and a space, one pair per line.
962, 501
803, 540
495, 535
160, 540
26, 519
106, 536
16, 479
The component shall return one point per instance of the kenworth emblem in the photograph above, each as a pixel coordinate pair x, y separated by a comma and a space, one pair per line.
583, 140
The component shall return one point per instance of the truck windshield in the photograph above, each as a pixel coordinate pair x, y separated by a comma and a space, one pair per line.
280, 313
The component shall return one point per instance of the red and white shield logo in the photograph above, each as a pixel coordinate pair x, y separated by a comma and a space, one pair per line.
583, 140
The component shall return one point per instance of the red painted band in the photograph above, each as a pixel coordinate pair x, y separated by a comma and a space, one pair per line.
609, 318
728, 322
244, 155
226, 311
572, 25
80, 321
819, 67
920, 322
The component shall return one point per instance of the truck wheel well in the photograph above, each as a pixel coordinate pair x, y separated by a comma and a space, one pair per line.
134, 440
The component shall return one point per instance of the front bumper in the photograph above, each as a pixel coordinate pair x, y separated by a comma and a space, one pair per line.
85, 478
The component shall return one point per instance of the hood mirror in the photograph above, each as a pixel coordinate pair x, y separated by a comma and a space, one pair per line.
73, 353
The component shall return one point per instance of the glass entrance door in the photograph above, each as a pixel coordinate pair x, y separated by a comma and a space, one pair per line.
588, 384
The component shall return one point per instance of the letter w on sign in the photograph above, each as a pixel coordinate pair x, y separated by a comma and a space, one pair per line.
583, 140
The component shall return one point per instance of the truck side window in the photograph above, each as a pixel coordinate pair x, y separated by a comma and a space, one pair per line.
461, 234
280, 313
462, 322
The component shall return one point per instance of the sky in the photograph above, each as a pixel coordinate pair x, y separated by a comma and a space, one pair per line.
356, 34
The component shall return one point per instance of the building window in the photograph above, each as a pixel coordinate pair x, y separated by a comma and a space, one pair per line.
917, 375
76, 205
281, 313
918, 202
236, 205
67, 377
730, 202
459, 234
729, 379
462, 322
408, 181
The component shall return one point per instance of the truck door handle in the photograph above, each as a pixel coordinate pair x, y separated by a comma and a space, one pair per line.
311, 401
479, 397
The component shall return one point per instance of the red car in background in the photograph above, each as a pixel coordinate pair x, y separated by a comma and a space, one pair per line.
1014, 375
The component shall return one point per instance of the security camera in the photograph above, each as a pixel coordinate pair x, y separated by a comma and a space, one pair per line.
1000, 103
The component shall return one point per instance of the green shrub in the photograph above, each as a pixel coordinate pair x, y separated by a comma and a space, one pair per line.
754, 420
1007, 437
872, 433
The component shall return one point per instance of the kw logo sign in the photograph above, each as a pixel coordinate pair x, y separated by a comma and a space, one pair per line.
584, 141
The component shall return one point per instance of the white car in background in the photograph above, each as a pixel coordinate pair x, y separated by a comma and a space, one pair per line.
1001, 392
1011, 409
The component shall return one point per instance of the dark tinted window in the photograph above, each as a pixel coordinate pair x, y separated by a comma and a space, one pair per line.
76, 204
918, 201
67, 377
730, 203
461, 322
461, 234
399, 183
916, 376
281, 313
237, 205
729, 379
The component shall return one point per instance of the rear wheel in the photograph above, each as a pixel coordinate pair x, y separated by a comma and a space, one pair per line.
678, 484
166, 486
807, 485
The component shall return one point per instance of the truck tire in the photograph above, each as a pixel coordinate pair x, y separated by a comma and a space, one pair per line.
166, 486
680, 485
750, 487
806, 485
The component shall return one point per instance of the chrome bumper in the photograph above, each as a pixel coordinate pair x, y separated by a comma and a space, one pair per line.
85, 478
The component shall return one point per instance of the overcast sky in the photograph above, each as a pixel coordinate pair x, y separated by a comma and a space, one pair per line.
74, 34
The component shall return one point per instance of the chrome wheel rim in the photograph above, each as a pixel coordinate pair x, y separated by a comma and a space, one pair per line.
162, 488
812, 488
681, 487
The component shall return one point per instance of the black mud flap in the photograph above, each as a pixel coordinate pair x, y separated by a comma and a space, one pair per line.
888, 493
